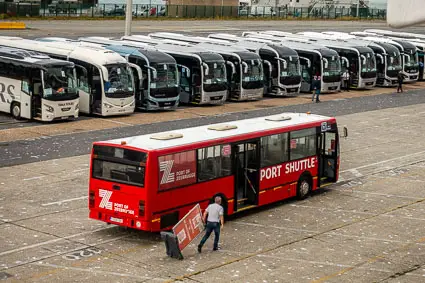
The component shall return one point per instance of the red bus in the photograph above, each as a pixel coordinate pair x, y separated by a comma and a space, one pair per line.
150, 182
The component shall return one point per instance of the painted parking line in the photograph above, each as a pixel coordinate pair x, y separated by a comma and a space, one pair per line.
63, 201
100, 272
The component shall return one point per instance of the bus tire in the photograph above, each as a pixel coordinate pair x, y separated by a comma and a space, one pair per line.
223, 202
15, 110
304, 186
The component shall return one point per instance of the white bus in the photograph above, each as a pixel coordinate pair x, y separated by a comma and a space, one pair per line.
408, 51
104, 79
203, 76
360, 59
155, 72
314, 59
34, 86
281, 64
245, 69
388, 58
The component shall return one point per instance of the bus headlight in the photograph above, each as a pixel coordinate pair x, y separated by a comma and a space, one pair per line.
107, 105
138, 224
49, 108
77, 106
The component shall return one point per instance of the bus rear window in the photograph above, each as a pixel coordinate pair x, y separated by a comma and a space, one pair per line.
119, 165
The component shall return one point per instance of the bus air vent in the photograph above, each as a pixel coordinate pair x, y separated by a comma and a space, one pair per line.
222, 127
278, 118
167, 136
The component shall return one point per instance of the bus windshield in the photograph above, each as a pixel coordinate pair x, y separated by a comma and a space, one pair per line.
120, 81
59, 81
216, 78
412, 61
254, 72
119, 165
368, 65
292, 68
166, 76
216, 73
333, 67
393, 62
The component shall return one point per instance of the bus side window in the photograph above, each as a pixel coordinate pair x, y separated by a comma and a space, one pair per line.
82, 78
25, 86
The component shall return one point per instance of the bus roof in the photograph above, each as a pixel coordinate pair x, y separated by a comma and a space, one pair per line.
29, 59
244, 42
90, 54
205, 133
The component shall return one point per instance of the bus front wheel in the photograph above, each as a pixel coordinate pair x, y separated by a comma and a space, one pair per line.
15, 110
303, 186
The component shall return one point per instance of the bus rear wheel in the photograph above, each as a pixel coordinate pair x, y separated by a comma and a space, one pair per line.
303, 187
15, 110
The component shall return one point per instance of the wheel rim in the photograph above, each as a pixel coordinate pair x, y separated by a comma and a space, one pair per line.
16, 111
304, 188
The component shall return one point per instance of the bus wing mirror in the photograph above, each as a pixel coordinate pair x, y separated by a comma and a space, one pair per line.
326, 62
344, 59
231, 65
392, 60
363, 59
407, 56
270, 66
245, 67
187, 72
105, 74
307, 60
380, 58
207, 69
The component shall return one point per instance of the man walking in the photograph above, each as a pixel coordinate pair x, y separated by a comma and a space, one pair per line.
400, 78
215, 219
346, 80
316, 87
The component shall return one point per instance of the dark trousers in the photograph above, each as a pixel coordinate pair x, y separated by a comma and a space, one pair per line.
347, 85
400, 87
211, 226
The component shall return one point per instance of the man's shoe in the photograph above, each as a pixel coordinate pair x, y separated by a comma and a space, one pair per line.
215, 249
317, 101
199, 249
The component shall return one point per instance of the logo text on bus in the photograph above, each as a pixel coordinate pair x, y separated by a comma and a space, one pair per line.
107, 204
291, 167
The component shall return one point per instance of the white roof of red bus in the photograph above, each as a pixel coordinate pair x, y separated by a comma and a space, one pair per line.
205, 133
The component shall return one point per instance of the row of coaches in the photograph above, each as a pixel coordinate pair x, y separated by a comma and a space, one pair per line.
58, 78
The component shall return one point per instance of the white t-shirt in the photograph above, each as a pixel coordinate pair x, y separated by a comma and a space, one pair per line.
214, 212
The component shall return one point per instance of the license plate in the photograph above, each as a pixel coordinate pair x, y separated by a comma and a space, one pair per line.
64, 118
118, 220
370, 83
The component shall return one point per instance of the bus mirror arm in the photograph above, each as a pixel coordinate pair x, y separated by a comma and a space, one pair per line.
346, 61
326, 63
207, 68
154, 72
245, 67
381, 58
270, 66
231, 65
306, 59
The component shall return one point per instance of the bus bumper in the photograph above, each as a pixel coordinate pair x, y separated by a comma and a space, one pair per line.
151, 105
121, 221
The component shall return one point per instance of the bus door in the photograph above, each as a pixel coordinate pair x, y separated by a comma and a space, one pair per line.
246, 168
84, 92
328, 155
27, 106
305, 79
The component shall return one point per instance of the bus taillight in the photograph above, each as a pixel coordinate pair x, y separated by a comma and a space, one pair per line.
91, 199
142, 208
